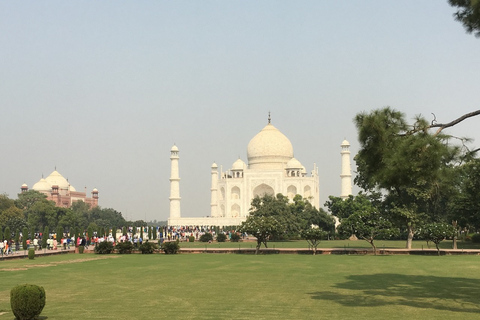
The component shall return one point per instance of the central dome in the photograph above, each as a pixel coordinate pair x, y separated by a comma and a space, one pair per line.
269, 149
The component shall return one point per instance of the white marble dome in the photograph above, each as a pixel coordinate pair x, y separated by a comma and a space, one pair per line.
294, 164
238, 165
42, 185
56, 179
269, 149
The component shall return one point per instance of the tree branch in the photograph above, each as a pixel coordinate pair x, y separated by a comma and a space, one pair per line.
442, 126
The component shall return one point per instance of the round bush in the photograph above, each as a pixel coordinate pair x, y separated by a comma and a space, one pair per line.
191, 239
124, 247
81, 249
206, 237
221, 237
104, 247
476, 238
31, 253
170, 247
27, 301
235, 237
147, 247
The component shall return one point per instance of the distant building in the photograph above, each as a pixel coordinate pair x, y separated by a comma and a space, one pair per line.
60, 191
271, 169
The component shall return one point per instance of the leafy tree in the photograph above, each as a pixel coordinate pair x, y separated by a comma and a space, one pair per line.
1, 234
11, 216
406, 162
24, 238
90, 234
102, 232
262, 227
141, 233
154, 231
313, 237
7, 234
437, 232
368, 224
59, 232
45, 236
468, 14
17, 236
27, 199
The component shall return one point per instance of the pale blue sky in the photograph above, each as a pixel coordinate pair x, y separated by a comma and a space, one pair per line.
102, 89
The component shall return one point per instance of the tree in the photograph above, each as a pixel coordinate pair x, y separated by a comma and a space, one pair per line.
7, 234
313, 237
27, 199
469, 14
405, 162
149, 233
24, 238
59, 232
45, 237
261, 227
437, 232
368, 224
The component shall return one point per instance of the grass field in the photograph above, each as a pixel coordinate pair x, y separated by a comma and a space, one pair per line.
229, 286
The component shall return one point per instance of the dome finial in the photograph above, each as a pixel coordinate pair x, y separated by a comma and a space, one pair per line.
269, 118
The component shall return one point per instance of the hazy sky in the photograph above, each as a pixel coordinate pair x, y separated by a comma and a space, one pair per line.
103, 89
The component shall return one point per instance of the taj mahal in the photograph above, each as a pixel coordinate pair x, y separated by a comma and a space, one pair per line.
271, 169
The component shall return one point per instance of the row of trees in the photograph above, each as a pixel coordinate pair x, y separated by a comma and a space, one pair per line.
32, 210
415, 179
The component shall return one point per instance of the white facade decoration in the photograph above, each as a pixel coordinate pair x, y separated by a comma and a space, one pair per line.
271, 169
346, 174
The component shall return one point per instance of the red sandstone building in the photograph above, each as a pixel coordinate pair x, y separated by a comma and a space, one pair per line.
60, 191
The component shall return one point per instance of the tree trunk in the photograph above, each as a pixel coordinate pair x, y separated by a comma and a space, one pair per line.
438, 249
410, 237
455, 242
374, 248
259, 243
314, 250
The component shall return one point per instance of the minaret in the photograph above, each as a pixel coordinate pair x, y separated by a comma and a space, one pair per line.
174, 184
346, 175
213, 190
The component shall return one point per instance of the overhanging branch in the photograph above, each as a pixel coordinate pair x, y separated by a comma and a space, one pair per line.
442, 126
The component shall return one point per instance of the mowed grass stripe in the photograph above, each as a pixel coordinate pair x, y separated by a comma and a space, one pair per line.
220, 286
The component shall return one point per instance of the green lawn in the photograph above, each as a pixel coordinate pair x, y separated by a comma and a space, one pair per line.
230, 286
417, 244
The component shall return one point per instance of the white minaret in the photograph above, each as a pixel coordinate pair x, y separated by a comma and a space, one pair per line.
346, 175
174, 184
213, 190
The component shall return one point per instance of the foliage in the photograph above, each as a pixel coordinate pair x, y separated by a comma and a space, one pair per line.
234, 237
368, 224
17, 236
104, 247
406, 162
191, 239
27, 301
124, 247
468, 14
262, 227
170, 247
437, 232
31, 253
221, 237
154, 231
59, 232
206, 237
147, 247
476, 238
45, 236
24, 238
313, 237
7, 234
149, 232
81, 249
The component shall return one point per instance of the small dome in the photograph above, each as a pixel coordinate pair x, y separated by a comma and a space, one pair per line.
42, 185
95, 190
238, 165
294, 164
57, 179
345, 143
174, 148
24, 185
269, 149
214, 166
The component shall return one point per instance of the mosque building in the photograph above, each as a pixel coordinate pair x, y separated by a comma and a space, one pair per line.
271, 169
60, 191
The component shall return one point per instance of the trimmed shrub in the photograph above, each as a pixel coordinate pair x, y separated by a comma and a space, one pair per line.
31, 253
476, 238
105, 247
235, 237
27, 301
124, 247
191, 239
221, 237
81, 249
170, 247
147, 247
206, 237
